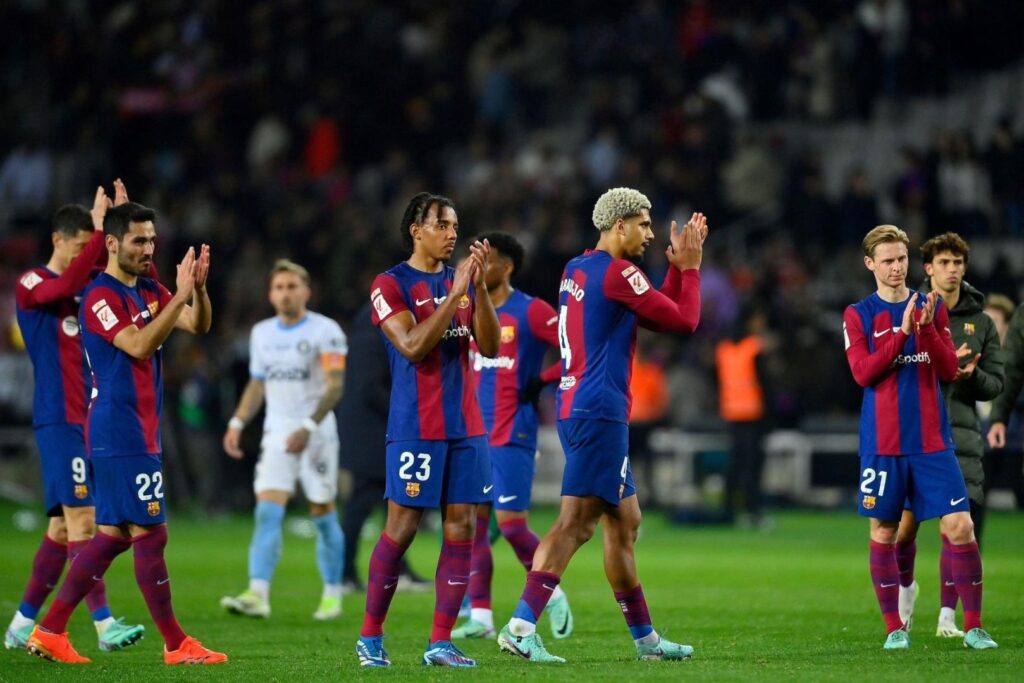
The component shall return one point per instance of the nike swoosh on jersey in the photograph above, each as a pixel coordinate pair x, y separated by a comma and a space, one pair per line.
420, 303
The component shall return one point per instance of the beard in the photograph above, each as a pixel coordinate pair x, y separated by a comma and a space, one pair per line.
137, 269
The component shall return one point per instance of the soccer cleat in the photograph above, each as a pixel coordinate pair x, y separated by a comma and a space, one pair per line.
908, 596
17, 638
248, 604
191, 651
560, 617
663, 649
464, 609
54, 646
473, 629
371, 652
897, 640
947, 627
529, 647
979, 639
444, 653
120, 635
330, 608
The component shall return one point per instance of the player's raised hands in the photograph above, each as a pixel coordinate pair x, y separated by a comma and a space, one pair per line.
120, 193
185, 282
100, 205
686, 247
465, 273
967, 370
907, 324
928, 310
202, 266
481, 251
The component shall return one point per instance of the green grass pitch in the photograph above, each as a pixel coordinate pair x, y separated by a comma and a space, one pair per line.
792, 604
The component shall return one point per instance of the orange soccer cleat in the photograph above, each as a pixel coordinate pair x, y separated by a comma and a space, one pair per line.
54, 646
191, 651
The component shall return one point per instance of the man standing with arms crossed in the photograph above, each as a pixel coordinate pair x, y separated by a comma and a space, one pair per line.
436, 443
603, 296
528, 330
126, 318
297, 361
47, 308
980, 378
899, 348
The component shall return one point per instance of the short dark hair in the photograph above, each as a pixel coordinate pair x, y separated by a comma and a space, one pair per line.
71, 219
948, 241
508, 246
118, 220
417, 211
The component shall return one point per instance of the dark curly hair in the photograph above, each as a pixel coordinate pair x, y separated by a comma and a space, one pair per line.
508, 246
416, 212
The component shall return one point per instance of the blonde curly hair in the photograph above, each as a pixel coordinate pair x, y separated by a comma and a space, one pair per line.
616, 203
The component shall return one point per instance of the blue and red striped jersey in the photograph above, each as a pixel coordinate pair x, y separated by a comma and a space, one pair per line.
47, 311
434, 398
601, 300
528, 328
903, 411
124, 416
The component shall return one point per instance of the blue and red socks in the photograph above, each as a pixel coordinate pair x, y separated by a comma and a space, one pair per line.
481, 568
381, 582
634, 609
906, 553
450, 584
885, 577
538, 591
522, 539
947, 587
96, 599
966, 567
47, 566
87, 569
155, 584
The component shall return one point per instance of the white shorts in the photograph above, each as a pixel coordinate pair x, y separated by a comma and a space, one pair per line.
316, 467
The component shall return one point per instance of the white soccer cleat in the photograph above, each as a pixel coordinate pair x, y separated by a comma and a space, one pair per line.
947, 625
247, 604
908, 596
330, 608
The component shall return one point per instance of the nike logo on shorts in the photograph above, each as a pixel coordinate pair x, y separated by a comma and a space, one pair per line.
506, 499
487, 489
957, 501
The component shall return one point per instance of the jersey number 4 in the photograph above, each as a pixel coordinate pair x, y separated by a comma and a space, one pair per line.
408, 460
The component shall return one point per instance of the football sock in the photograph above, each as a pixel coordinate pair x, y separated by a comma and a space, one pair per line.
155, 584
450, 583
522, 539
47, 566
967, 577
96, 599
885, 576
538, 590
906, 553
381, 581
483, 615
634, 609
265, 548
260, 587
88, 568
947, 587
482, 567
330, 548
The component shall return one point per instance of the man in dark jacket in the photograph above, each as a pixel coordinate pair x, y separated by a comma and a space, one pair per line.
1003, 405
980, 378
363, 418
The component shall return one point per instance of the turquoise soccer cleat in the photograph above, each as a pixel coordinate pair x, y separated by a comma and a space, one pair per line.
17, 638
120, 635
664, 650
979, 639
530, 648
371, 652
473, 629
444, 653
560, 617
897, 640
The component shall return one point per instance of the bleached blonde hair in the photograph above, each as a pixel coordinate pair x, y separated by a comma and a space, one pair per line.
616, 203
880, 235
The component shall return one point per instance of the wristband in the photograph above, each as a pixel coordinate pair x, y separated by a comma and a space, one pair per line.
309, 424
236, 423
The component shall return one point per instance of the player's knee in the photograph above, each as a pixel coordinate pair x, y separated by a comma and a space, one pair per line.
58, 530
959, 530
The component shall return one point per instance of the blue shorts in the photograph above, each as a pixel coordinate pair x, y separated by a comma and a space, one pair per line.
512, 467
432, 473
596, 459
930, 484
67, 480
129, 488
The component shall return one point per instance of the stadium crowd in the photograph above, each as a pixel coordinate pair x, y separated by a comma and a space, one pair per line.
283, 129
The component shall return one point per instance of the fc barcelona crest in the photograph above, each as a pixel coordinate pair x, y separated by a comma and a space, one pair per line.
869, 502
969, 328
81, 491
153, 508
508, 333
464, 301
412, 489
